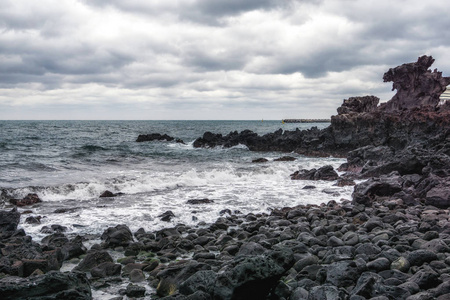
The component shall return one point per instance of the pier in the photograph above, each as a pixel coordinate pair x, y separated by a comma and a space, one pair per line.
306, 120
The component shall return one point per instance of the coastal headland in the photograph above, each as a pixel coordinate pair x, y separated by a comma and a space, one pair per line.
390, 241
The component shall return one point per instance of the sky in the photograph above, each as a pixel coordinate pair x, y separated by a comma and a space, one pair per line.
208, 59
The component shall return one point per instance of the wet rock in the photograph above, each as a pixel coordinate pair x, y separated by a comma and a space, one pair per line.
119, 235
93, 259
33, 220
29, 199
308, 187
55, 228
137, 275
107, 194
260, 160
200, 201
166, 216
285, 158
106, 269
154, 137
341, 182
53, 285
8, 222
323, 173
135, 291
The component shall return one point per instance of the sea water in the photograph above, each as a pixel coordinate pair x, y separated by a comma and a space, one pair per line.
68, 164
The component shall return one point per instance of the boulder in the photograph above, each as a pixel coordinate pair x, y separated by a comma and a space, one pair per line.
53, 285
368, 191
248, 277
93, 259
324, 173
8, 222
119, 235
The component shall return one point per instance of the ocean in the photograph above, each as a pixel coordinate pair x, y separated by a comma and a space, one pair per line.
69, 164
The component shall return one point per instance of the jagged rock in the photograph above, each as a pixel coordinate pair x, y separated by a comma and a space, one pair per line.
358, 105
416, 85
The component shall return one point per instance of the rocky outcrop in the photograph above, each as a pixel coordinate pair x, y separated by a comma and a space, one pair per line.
416, 85
409, 134
157, 137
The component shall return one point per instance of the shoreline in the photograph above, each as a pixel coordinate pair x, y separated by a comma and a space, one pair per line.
391, 241
346, 250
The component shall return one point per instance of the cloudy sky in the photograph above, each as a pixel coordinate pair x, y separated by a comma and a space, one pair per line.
208, 59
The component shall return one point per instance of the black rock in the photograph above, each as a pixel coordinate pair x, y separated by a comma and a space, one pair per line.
200, 201
260, 160
53, 285
93, 259
155, 137
106, 269
119, 235
135, 291
323, 173
166, 216
8, 222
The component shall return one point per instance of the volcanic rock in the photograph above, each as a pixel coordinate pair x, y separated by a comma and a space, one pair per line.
53, 285
154, 137
323, 173
29, 199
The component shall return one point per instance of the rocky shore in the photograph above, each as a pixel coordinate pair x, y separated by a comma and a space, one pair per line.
390, 241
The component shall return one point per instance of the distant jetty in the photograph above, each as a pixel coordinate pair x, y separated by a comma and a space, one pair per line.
306, 120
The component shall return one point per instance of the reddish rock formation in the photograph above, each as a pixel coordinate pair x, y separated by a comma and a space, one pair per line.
416, 85
29, 199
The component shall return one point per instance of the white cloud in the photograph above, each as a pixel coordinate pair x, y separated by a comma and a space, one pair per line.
207, 59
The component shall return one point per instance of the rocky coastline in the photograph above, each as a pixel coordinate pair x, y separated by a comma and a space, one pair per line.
391, 241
